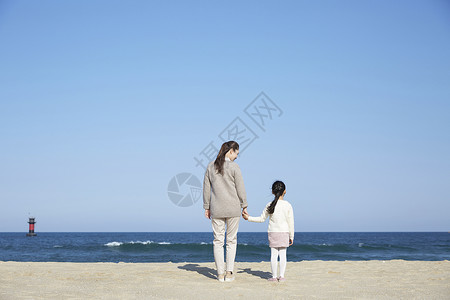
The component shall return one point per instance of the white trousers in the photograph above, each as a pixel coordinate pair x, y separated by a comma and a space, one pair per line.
218, 226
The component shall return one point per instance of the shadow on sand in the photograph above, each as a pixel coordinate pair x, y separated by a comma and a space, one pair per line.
211, 273
205, 271
260, 274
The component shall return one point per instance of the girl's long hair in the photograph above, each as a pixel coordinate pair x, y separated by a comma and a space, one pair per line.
220, 159
278, 189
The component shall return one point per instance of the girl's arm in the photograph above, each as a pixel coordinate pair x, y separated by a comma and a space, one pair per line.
261, 218
291, 223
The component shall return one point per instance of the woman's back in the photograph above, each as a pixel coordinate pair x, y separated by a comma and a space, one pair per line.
226, 192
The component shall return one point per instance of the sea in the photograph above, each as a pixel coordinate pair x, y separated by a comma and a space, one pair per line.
197, 246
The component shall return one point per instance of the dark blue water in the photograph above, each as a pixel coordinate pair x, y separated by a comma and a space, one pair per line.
197, 247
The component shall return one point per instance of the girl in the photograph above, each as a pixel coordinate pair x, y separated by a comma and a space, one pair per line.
281, 228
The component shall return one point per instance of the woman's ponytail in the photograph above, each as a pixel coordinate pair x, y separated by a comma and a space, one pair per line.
220, 159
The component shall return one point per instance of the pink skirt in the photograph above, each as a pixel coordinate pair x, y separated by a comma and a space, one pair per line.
278, 239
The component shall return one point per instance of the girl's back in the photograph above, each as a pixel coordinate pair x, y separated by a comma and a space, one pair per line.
282, 219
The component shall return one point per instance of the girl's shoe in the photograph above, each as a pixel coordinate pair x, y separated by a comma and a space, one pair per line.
221, 277
272, 279
281, 279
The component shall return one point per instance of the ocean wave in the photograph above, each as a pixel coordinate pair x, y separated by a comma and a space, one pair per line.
117, 244
113, 244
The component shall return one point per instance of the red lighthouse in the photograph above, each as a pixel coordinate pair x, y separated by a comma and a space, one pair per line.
31, 227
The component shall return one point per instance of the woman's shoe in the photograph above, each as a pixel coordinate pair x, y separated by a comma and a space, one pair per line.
281, 279
229, 276
221, 277
272, 279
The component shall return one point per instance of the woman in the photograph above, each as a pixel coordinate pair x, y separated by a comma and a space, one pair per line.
223, 198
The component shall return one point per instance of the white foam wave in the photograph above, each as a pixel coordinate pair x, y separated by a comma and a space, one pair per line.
57, 246
113, 244
116, 244
142, 243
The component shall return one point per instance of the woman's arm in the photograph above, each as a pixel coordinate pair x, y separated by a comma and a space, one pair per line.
206, 194
240, 188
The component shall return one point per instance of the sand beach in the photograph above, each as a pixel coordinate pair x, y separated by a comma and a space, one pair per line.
395, 279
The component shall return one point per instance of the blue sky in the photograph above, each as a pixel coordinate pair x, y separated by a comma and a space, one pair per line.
103, 102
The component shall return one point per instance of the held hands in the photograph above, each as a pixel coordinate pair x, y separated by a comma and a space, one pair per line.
245, 214
291, 242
